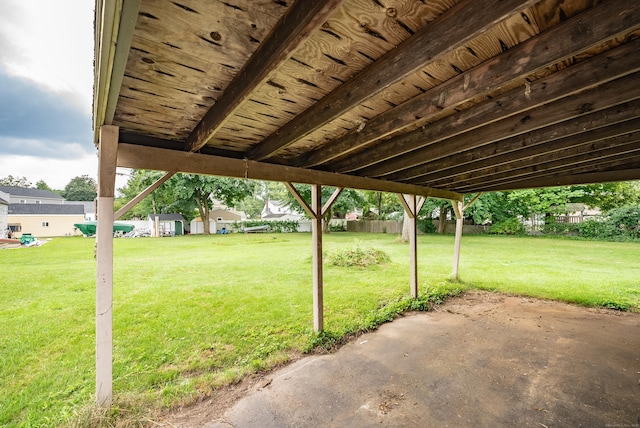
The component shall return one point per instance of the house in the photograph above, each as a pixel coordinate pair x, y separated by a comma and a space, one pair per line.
4, 211
89, 208
219, 218
22, 195
275, 207
166, 224
40, 212
44, 219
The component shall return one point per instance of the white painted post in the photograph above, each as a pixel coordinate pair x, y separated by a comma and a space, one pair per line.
459, 209
316, 233
104, 270
413, 245
104, 301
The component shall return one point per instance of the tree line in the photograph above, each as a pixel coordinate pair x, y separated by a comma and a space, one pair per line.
193, 195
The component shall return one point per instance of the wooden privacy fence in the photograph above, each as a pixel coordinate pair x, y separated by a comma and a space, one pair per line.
395, 226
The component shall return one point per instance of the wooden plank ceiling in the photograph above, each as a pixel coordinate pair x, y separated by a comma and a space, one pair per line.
456, 96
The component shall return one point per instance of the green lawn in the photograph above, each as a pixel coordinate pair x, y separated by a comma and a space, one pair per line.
192, 313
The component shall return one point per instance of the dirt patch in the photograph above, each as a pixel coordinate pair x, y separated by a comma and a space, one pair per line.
481, 359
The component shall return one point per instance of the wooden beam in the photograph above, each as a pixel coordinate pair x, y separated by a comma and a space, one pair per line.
589, 162
116, 21
298, 197
562, 159
471, 202
588, 74
140, 157
331, 200
582, 130
627, 174
297, 24
462, 23
316, 232
459, 210
108, 153
416, 163
550, 47
146, 192
128, 19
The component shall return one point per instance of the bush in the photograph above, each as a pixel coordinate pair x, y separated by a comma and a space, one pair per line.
621, 224
554, 228
510, 226
275, 226
426, 225
592, 228
337, 227
624, 222
361, 257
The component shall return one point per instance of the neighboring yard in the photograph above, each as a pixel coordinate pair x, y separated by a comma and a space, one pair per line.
192, 313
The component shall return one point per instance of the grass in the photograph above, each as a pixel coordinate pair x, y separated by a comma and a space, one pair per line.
194, 313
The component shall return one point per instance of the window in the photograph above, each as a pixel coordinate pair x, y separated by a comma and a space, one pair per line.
15, 227
37, 202
45, 224
219, 219
23, 201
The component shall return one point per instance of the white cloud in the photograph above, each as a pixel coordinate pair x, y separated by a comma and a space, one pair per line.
51, 44
55, 172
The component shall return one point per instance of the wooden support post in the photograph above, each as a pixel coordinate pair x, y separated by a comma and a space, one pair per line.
459, 209
316, 232
107, 152
316, 211
412, 208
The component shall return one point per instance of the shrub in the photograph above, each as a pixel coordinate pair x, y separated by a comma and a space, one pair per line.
426, 225
554, 228
624, 222
621, 224
592, 228
275, 226
510, 226
361, 257
337, 227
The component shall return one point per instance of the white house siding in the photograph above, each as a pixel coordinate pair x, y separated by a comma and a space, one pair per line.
4, 223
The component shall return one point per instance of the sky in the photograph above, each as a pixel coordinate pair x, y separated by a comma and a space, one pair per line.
46, 90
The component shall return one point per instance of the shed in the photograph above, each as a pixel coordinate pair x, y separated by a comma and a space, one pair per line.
423, 99
166, 224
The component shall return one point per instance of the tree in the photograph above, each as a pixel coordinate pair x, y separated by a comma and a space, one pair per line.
81, 188
383, 204
10, 180
608, 196
529, 202
160, 201
43, 186
203, 189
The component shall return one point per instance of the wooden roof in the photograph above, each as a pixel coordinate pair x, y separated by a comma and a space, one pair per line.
438, 97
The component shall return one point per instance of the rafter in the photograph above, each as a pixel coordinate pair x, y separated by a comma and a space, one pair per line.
615, 170
631, 172
415, 163
587, 148
465, 21
300, 21
617, 149
595, 71
590, 129
516, 63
